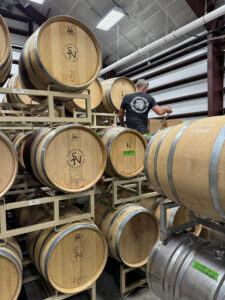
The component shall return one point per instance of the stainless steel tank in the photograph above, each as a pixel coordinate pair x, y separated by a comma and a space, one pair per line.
187, 267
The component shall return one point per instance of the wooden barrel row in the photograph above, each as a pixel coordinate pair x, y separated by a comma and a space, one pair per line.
131, 231
175, 216
71, 259
95, 96
19, 142
114, 90
62, 53
15, 83
71, 158
106, 96
125, 151
11, 270
5, 52
8, 163
186, 164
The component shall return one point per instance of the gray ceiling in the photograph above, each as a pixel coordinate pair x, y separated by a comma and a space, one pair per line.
146, 21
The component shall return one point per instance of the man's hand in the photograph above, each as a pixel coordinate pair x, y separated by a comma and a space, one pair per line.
169, 109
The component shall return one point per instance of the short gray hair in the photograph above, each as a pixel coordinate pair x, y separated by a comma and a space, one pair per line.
142, 83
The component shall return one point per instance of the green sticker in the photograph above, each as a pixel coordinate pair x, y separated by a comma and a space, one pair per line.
100, 132
129, 153
205, 270
148, 136
104, 203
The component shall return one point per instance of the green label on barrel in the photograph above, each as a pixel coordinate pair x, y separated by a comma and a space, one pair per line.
129, 153
148, 136
205, 270
104, 203
100, 132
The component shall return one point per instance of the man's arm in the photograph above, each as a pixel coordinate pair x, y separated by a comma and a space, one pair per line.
121, 117
161, 111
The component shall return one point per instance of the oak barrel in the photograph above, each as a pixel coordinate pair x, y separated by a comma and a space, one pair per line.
15, 83
11, 270
187, 267
19, 143
114, 90
62, 53
8, 164
131, 231
186, 164
5, 52
95, 97
125, 151
71, 157
71, 259
175, 216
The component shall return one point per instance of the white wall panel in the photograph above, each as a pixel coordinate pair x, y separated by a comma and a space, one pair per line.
189, 106
18, 39
170, 63
178, 74
181, 90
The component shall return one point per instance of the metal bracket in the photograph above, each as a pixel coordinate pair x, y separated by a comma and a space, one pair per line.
126, 290
132, 186
166, 233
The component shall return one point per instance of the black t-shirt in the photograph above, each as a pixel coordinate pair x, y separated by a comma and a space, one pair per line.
137, 107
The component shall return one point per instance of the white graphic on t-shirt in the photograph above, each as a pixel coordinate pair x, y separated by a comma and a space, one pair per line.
139, 105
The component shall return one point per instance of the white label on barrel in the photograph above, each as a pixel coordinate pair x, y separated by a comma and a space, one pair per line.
19, 91
34, 202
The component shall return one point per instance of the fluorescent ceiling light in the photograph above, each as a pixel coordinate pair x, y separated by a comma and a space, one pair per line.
114, 16
38, 1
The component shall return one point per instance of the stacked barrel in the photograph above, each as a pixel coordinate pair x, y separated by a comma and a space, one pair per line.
5, 52
186, 164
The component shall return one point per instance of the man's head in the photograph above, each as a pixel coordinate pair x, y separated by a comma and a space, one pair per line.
142, 85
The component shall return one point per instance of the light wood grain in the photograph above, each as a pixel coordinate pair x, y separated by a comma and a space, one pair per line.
137, 228
119, 143
71, 158
95, 95
114, 90
10, 270
63, 52
8, 163
190, 167
5, 52
72, 258
15, 83
19, 144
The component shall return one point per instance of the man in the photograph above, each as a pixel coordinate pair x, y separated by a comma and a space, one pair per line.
137, 107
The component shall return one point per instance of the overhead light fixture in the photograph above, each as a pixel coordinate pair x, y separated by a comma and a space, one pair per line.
114, 16
38, 1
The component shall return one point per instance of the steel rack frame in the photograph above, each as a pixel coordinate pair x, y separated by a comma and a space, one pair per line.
127, 289
50, 197
133, 186
99, 119
166, 233
32, 116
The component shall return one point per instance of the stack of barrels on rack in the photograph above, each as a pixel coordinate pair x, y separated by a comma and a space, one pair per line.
188, 162
70, 259
72, 67
5, 53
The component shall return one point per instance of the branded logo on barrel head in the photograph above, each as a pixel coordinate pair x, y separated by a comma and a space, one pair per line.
75, 158
74, 137
77, 254
71, 52
70, 30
